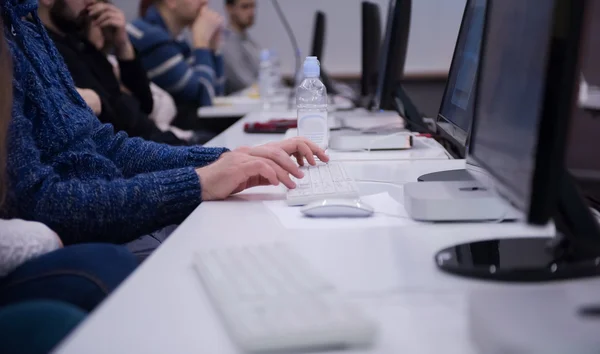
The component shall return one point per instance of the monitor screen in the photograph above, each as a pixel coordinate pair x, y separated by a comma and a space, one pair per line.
456, 111
510, 94
392, 56
584, 143
385, 49
371, 44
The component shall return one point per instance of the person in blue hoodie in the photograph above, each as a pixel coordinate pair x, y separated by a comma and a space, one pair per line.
191, 72
88, 184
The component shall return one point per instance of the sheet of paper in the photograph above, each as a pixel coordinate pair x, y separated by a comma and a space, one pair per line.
388, 212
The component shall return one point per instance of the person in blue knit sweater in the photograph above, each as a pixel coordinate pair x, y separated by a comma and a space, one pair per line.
190, 74
88, 184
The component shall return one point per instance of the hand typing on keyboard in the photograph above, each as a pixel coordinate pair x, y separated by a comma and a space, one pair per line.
299, 147
263, 165
324, 181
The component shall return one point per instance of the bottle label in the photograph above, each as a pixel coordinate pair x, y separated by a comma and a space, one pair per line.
313, 126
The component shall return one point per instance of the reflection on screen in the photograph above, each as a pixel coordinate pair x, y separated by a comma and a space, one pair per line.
583, 158
511, 91
457, 106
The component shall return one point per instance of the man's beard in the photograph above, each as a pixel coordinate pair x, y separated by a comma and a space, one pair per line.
249, 23
68, 25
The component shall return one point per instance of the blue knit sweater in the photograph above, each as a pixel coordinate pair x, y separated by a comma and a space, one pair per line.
71, 172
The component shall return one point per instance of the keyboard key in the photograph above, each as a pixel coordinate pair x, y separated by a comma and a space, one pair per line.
320, 182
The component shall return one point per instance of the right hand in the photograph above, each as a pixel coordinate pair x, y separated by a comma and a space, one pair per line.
108, 16
92, 99
207, 23
235, 171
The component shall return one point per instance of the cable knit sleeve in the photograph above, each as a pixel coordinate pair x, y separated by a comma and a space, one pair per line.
134, 155
21, 241
100, 209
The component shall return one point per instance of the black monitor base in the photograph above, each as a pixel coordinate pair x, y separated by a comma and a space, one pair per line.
575, 253
446, 176
515, 260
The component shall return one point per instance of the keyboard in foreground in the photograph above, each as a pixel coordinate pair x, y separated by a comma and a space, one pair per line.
271, 301
324, 181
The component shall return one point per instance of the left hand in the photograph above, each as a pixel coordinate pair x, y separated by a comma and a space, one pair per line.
108, 16
280, 152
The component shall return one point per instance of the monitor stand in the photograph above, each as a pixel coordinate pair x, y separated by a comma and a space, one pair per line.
574, 253
446, 176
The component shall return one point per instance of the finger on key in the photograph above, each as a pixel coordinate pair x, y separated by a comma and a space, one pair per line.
299, 159
282, 175
316, 150
305, 152
260, 167
283, 160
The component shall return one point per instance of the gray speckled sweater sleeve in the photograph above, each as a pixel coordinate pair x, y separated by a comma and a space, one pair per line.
21, 241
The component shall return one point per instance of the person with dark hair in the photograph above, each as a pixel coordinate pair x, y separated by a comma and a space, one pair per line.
191, 74
45, 289
241, 53
144, 6
90, 68
74, 174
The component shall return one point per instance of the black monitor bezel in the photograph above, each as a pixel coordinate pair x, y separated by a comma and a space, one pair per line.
318, 40
451, 136
371, 45
392, 61
556, 109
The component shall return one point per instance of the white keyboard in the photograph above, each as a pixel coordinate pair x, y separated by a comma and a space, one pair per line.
270, 300
322, 182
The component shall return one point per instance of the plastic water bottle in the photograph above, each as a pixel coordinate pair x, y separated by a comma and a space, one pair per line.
276, 70
311, 101
265, 79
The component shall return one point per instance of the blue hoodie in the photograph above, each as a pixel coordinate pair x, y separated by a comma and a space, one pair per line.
74, 174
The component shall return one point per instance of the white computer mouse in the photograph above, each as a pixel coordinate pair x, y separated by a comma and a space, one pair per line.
338, 208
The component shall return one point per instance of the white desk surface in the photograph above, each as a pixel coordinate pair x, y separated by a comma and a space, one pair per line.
238, 106
387, 271
235, 137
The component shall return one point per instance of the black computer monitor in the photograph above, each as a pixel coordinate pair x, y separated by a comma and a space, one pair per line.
371, 43
318, 48
319, 30
526, 90
456, 111
584, 144
392, 56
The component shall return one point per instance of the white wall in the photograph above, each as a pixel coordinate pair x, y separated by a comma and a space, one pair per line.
434, 27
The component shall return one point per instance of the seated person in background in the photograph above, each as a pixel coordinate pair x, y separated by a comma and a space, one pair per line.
192, 75
241, 54
90, 68
74, 174
164, 112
